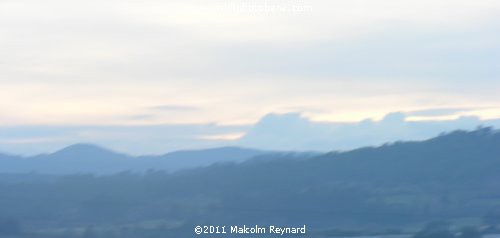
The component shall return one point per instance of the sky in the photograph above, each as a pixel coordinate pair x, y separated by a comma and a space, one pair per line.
210, 71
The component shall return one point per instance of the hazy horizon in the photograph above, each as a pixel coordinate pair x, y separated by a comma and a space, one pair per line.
274, 132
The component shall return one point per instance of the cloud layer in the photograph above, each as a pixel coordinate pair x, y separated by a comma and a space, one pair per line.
295, 132
154, 76
290, 132
109, 62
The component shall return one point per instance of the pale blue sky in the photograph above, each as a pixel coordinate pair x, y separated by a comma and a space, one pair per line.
147, 63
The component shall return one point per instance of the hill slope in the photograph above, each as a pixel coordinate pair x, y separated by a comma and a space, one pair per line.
453, 177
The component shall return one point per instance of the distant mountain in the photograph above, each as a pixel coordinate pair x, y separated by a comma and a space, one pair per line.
88, 158
86, 152
7, 156
194, 158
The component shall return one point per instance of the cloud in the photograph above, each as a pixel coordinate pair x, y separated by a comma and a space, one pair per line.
289, 131
292, 131
141, 117
223, 137
175, 108
434, 112
88, 65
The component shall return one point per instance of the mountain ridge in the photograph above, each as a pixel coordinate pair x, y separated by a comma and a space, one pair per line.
92, 158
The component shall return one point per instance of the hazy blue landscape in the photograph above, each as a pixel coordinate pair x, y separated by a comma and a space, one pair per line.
446, 186
250, 118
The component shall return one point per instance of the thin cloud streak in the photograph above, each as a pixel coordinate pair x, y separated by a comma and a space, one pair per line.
176, 108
